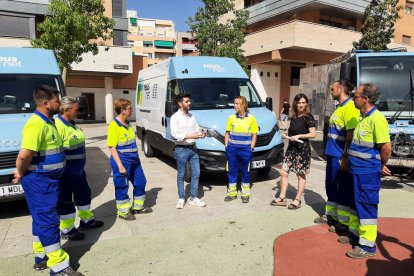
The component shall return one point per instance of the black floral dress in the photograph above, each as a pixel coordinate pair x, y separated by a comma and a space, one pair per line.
297, 156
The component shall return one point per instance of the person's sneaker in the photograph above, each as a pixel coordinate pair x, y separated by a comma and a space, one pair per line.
146, 210
90, 224
340, 229
73, 235
230, 198
67, 272
359, 253
196, 202
180, 203
128, 217
245, 199
321, 220
40, 266
346, 239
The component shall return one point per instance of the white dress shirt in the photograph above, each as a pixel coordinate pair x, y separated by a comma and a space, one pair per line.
182, 125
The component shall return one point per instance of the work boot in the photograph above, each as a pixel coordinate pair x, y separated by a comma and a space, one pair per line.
67, 272
347, 239
73, 235
145, 210
128, 217
321, 220
40, 265
359, 253
245, 199
230, 198
90, 224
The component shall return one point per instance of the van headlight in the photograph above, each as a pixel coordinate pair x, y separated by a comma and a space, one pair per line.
210, 132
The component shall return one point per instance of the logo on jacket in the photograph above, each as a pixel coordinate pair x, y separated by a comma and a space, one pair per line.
53, 138
76, 137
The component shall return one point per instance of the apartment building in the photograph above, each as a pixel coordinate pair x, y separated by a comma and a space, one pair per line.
153, 38
101, 78
285, 36
185, 44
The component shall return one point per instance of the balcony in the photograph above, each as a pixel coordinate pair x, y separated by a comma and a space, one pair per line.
189, 47
272, 8
302, 35
109, 60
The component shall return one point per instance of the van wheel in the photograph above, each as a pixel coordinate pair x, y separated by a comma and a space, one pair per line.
146, 147
264, 171
187, 174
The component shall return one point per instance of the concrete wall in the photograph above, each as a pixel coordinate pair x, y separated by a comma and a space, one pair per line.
267, 86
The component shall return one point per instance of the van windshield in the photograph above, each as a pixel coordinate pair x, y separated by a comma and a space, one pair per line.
219, 93
16, 91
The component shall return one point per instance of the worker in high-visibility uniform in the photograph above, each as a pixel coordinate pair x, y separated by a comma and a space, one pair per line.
74, 185
338, 183
240, 140
39, 166
368, 153
125, 163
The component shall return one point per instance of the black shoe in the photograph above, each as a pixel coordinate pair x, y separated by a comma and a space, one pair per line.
229, 198
40, 266
245, 199
128, 217
67, 272
90, 224
146, 210
73, 235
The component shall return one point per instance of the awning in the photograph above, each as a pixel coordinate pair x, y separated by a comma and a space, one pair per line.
164, 44
133, 20
147, 42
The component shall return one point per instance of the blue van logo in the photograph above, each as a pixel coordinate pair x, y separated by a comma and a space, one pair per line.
10, 62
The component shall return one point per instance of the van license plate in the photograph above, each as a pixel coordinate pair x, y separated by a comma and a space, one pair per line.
11, 190
258, 164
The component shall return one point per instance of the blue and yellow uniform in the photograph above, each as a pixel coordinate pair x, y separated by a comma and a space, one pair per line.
123, 139
74, 185
239, 152
339, 205
41, 187
364, 162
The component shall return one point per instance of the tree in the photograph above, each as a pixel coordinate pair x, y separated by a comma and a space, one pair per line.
378, 29
72, 28
220, 39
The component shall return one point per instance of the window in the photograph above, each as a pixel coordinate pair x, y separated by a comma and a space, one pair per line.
117, 8
406, 39
150, 55
130, 43
148, 44
409, 7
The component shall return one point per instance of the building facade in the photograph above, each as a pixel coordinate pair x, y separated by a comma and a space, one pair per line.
100, 78
153, 38
286, 36
185, 44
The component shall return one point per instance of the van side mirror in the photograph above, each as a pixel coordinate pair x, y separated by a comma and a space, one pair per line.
83, 107
269, 103
169, 108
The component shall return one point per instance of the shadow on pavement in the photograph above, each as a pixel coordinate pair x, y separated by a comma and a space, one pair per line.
13, 209
392, 265
98, 171
312, 199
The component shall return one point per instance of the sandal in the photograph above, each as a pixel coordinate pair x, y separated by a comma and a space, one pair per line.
295, 206
282, 202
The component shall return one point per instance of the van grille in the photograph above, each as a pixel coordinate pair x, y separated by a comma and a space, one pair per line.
8, 160
262, 139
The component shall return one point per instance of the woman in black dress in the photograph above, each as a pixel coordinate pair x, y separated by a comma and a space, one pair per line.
297, 156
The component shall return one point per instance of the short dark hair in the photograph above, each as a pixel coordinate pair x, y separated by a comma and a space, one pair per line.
370, 91
180, 97
346, 84
44, 93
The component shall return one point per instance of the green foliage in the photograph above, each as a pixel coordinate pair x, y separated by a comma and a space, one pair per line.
220, 39
378, 29
72, 28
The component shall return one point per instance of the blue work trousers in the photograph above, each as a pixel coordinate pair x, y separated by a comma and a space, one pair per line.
134, 173
74, 190
182, 156
238, 158
366, 191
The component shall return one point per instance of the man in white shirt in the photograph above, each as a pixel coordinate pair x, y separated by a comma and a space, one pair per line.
185, 131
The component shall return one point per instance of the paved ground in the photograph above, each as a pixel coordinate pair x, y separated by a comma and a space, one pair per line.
223, 238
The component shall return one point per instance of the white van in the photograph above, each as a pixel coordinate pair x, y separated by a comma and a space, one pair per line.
213, 83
